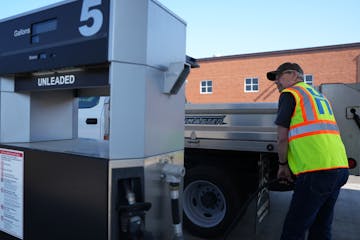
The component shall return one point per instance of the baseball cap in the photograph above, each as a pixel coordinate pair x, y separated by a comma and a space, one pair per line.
282, 68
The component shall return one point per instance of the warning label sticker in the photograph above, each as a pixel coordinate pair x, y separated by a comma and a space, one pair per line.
12, 192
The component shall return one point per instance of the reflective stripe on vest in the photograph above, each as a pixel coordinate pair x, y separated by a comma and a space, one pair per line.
313, 128
307, 106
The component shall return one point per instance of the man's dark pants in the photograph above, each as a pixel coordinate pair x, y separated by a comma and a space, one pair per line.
312, 205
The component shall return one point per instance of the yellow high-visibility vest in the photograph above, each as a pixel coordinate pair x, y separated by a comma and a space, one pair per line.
314, 138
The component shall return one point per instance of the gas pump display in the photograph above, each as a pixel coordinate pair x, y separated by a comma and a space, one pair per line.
56, 37
131, 51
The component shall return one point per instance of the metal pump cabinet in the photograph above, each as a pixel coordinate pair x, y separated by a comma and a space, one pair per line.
55, 185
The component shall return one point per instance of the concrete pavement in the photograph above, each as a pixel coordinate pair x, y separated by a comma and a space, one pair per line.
346, 225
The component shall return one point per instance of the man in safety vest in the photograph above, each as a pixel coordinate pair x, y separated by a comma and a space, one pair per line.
309, 147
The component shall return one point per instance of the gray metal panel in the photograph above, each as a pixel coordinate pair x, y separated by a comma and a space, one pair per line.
52, 115
164, 125
233, 145
156, 37
242, 127
128, 31
242, 134
231, 108
154, 127
168, 11
15, 117
7, 84
343, 96
166, 37
144, 121
127, 110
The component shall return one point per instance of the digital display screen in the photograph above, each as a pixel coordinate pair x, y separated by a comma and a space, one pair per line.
42, 27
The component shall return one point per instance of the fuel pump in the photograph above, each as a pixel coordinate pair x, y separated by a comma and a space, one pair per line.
131, 51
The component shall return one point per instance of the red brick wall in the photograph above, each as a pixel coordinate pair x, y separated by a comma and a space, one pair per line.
228, 75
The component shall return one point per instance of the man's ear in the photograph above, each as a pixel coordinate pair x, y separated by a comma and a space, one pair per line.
294, 76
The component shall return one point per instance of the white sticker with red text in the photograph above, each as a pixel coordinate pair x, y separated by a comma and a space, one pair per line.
12, 192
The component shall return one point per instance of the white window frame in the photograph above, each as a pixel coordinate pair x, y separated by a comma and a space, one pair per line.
207, 86
312, 79
251, 84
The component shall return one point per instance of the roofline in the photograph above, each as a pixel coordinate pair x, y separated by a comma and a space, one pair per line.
281, 52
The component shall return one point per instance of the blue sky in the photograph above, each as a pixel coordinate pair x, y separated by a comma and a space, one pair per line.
227, 27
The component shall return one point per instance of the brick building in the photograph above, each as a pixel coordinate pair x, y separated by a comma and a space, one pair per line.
242, 78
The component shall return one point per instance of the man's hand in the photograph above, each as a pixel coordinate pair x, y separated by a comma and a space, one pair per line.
284, 174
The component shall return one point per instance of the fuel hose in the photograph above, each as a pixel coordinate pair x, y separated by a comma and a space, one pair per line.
175, 210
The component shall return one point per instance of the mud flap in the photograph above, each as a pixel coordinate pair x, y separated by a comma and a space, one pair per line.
258, 206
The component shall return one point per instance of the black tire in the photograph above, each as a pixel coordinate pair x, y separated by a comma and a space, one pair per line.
210, 202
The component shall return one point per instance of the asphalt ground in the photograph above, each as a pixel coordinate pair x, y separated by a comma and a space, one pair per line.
346, 225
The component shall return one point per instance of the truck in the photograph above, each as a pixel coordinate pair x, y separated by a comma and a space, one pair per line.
231, 157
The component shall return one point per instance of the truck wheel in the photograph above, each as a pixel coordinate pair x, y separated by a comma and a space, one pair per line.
210, 202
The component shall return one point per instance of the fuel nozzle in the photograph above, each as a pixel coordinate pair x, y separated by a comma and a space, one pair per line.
132, 214
173, 174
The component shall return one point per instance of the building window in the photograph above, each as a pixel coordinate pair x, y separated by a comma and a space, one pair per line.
206, 87
308, 78
251, 85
